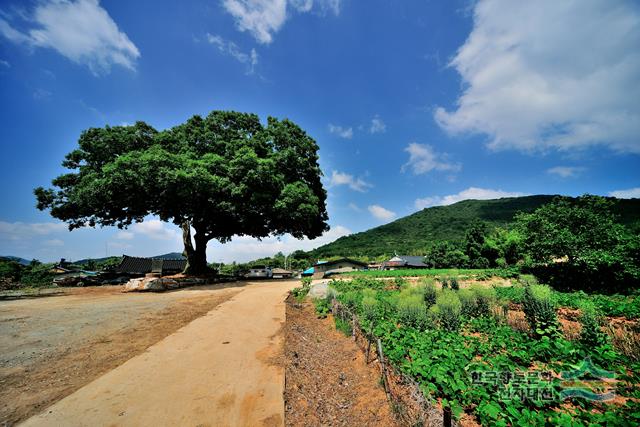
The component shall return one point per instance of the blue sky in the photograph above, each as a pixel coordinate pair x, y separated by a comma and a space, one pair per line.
413, 103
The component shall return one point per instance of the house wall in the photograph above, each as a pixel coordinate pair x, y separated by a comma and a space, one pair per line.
321, 268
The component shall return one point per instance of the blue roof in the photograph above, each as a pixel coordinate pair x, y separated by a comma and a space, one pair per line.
309, 271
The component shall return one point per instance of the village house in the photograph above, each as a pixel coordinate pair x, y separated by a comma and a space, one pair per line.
404, 261
342, 265
140, 266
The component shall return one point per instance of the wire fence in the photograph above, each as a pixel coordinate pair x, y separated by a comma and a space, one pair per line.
407, 400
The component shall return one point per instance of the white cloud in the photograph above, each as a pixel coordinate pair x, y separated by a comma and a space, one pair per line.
471, 193
54, 242
566, 171
550, 74
342, 178
40, 94
354, 207
125, 235
244, 248
5, 63
631, 193
264, 18
423, 159
22, 230
80, 30
381, 213
342, 132
377, 125
249, 59
155, 229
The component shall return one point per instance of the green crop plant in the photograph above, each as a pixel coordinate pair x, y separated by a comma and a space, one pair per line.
448, 310
539, 310
411, 310
485, 299
429, 291
468, 302
591, 334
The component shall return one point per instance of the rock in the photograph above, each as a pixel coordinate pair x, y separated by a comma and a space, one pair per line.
319, 290
152, 284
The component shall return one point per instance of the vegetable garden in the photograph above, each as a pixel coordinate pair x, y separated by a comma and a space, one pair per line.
460, 346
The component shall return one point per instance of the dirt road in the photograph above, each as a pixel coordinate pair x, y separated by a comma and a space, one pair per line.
222, 369
52, 345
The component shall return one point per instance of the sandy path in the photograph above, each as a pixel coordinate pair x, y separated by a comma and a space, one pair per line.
222, 369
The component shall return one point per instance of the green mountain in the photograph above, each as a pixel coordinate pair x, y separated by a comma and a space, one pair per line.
16, 259
412, 234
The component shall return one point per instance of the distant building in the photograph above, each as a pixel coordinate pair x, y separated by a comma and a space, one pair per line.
259, 272
281, 273
139, 266
342, 265
404, 261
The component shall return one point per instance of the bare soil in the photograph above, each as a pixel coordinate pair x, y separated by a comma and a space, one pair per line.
327, 381
56, 343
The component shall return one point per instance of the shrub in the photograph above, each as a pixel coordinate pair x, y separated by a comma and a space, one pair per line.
539, 310
468, 302
412, 311
322, 307
344, 326
302, 291
400, 283
350, 299
369, 308
429, 292
453, 283
444, 283
485, 299
448, 310
591, 334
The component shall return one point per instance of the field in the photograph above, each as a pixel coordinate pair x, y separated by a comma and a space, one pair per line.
518, 355
460, 273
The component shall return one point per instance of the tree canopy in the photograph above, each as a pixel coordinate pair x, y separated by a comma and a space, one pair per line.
223, 175
578, 243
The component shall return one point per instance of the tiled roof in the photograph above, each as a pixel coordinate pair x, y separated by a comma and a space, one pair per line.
138, 265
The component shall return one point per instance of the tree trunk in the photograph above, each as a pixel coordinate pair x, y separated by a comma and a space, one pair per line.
196, 257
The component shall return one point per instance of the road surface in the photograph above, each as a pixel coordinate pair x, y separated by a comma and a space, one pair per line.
222, 369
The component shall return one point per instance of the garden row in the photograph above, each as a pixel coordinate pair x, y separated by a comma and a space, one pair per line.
459, 346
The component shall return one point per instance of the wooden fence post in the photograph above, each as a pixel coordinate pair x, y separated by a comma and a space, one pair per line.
384, 370
446, 417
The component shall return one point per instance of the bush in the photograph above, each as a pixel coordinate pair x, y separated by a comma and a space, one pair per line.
477, 301
369, 308
344, 326
485, 299
429, 291
453, 283
301, 292
37, 274
323, 306
412, 311
448, 310
591, 334
468, 302
539, 310
444, 282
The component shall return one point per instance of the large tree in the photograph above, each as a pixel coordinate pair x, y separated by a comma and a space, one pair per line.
579, 244
222, 176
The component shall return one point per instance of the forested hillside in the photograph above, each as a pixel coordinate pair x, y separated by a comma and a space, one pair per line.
414, 233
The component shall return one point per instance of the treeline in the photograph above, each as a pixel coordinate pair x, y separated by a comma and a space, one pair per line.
14, 275
572, 244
